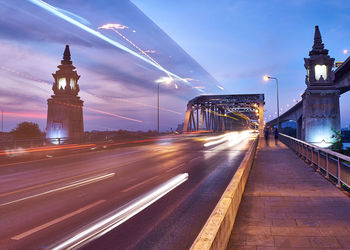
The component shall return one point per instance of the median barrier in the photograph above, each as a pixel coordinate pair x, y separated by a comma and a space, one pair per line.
217, 230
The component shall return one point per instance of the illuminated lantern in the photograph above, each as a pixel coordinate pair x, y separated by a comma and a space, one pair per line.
65, 109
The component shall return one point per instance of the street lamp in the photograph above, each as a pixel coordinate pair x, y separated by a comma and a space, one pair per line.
166, 80
266, 78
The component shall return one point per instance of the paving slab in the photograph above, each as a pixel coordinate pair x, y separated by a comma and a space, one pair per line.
288, 205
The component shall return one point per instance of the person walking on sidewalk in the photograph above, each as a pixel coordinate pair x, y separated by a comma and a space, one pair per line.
276, 135
266, 134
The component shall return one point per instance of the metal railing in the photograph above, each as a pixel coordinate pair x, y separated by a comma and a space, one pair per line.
333, 165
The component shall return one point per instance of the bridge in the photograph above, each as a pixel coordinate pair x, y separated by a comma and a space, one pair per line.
224, 189
219, 113
317, 115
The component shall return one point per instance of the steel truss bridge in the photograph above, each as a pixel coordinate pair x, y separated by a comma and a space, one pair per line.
220, 113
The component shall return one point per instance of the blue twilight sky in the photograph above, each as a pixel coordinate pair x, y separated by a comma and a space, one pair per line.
215, 47
239, 41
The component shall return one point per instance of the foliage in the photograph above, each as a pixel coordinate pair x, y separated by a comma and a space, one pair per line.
26, 130
337, 141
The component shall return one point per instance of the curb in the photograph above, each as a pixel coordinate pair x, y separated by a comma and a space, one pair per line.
217, 230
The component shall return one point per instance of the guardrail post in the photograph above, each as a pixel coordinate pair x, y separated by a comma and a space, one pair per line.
327, 158
338, 174
312, 157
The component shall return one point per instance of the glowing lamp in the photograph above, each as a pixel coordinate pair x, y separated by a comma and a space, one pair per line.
320, 70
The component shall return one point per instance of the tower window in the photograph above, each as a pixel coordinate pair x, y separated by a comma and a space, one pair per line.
61, 83
320, 70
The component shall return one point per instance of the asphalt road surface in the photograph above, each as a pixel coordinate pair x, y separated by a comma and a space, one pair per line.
155, 196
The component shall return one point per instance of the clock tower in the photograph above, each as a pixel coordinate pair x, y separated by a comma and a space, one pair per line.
321, 98
65, 109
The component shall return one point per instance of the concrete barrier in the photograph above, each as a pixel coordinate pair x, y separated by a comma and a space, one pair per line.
217, 230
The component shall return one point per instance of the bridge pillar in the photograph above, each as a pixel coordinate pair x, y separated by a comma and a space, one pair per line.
321, 115
321, 112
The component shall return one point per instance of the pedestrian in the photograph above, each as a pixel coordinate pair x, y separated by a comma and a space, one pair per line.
276, 135
266, 133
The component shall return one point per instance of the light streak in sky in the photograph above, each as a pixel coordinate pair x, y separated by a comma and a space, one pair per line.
115, 27
137, 103
164, 79
119, 216
98, 111
115, 115
220, 87
21, 74
111, 26
93, 32
30, 77
151, 51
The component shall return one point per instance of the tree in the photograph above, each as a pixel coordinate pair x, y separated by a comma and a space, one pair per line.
337, 141
26, 130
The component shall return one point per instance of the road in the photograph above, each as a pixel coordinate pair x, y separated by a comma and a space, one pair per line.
120, 198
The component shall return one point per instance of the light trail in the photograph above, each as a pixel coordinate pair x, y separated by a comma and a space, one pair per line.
137, 103
43, 116
65, 17
26, 76
42, 149
115, 27
115, 115
233, 138
115, 218
69, 186
99, 111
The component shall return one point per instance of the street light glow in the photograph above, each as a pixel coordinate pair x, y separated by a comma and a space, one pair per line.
266, 78
345, 51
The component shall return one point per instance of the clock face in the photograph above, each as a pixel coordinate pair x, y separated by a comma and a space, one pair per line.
320, 70
72, 83
61, 83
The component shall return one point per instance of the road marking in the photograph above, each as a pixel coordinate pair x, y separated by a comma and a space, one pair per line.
171, 169
69, 186
195, 158
50, 223
119, 216
139, 184
50, 183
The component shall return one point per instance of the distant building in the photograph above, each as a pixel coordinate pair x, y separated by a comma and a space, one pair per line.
65, 109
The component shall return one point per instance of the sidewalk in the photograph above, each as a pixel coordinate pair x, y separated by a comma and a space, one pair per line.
287, 205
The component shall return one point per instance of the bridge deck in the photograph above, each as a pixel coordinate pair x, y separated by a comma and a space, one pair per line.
287, 204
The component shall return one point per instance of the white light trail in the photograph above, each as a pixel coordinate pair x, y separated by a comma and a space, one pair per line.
114, 219
63, 16
232, 138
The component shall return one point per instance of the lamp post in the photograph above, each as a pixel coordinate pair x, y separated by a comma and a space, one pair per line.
266, 78
158, 110
166, 80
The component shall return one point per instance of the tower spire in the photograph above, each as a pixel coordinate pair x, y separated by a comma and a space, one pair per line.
66, 56
318, 47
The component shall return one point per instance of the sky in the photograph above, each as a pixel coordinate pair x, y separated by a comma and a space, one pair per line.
207, 47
